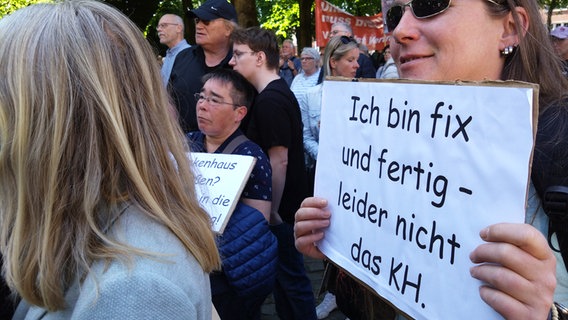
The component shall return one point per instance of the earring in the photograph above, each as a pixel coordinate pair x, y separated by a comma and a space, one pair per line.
507, 51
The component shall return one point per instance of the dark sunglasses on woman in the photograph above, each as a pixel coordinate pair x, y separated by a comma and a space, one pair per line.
421, 9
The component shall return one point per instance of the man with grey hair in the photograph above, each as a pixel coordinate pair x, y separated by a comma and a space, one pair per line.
170, 31
366, 67
215, 20
290, 65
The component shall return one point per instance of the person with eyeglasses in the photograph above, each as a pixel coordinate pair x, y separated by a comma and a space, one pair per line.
215, 20
308, 77
222, 103
171, 33
559, 37
388, 69
340, 59
366, 67
523, 275
275, 124
290, 65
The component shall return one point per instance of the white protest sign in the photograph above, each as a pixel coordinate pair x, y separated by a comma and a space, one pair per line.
219, 182
412, 173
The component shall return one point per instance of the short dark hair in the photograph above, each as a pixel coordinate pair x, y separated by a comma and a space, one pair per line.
242, 91
259, 40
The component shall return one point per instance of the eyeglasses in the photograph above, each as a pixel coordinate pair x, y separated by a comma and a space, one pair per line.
306, 58
421, 9
213, 101
237, 54
334, 32
205, 22
165, 24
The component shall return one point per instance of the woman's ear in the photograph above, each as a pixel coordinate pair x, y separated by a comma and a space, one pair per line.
511, 28
332, 63
240, 113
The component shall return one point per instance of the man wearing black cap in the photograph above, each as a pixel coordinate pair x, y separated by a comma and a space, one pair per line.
215, 20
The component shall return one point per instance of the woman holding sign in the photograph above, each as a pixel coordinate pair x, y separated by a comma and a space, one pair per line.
516, 262
247, 246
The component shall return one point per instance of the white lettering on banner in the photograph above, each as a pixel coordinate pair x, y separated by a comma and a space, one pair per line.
366, 30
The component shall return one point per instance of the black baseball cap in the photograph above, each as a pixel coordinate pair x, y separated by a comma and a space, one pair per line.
215, 9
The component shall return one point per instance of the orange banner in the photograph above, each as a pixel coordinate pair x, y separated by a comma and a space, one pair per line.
367, 30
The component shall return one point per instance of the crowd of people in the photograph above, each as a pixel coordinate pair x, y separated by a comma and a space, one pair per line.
98, 209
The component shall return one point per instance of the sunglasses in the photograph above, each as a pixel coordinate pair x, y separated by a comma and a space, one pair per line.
346, 39
205, 22
421, 9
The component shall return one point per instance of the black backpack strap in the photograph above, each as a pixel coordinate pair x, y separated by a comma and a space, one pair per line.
555, 205
237, 141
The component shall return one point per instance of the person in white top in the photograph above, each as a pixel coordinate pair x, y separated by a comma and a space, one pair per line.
309, 75
387, 70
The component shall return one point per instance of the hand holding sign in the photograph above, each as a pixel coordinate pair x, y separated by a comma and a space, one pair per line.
415, 174
512, 251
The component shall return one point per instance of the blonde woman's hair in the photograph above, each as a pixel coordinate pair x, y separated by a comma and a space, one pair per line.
84, 125
336, 48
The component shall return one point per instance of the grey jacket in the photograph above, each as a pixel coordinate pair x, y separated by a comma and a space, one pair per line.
170, 286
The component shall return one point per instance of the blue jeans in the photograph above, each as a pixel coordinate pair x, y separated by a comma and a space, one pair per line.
293, 293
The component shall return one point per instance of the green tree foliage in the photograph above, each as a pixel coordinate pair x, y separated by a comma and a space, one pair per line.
550, 5
359, 7
283, 17
167, 6
9, 6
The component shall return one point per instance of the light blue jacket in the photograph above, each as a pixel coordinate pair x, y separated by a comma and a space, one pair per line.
310, 108
388, 70
170, 286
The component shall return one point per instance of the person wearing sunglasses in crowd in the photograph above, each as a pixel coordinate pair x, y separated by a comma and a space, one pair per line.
516, 262
215, 20
98, 210
366, 67
340, 60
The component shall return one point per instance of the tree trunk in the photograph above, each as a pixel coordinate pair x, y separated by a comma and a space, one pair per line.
140, 12
246, 13
189, 25
304, 33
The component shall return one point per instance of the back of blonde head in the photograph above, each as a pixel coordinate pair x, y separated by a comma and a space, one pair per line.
84, 124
